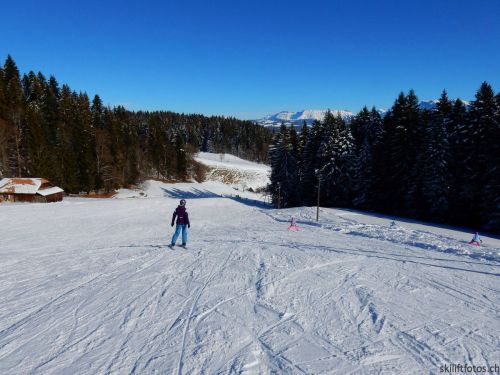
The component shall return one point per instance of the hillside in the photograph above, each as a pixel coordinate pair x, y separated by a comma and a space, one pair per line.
99, 292
231, 170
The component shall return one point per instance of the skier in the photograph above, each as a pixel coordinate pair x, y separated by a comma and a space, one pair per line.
476, 240
182, 223
293, 225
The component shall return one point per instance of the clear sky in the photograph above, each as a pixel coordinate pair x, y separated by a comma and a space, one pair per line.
252, 58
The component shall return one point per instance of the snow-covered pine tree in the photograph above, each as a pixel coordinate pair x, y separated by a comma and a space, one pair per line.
367, 126
309, 164
485, 160
458, 128
433, 161
294, 142
336, 161
403, 142
359, 125
304, 132
493, 188
363, 154
284, 173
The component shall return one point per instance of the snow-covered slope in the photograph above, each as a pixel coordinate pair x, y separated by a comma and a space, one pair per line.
88, 286
237, 172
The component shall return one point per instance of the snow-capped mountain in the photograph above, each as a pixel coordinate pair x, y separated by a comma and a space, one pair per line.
298, 118
309, 115
432, 104
428, 104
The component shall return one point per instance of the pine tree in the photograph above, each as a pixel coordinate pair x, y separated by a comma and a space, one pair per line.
485, 158
86, 144
3, 99
4, 130
14, 107
284, 176
37, 151
294, 142
368, 125
435, 156
336, 161
492, 190
458, 154
100, 141
181, 157
359, 126
304, 132
309, 164
67, 168
51, 112
403, 142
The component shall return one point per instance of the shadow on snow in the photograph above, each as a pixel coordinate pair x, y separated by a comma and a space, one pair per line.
188, 194
200, 194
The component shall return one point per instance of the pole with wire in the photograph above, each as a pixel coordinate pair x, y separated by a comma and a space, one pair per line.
319, 187
279, 195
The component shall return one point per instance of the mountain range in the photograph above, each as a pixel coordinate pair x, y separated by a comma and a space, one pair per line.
310, 115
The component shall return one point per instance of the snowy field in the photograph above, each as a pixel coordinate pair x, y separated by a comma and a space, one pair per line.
243, 174
88, 286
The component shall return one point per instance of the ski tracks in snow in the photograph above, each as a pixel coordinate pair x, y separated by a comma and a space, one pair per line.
191, 311
339, 298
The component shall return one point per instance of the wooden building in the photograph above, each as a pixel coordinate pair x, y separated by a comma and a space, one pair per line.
29, 190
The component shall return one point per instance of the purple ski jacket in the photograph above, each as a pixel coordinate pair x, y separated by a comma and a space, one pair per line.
182, 216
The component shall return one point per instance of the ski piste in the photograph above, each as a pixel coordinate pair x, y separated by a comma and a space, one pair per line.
174, 246
98, 293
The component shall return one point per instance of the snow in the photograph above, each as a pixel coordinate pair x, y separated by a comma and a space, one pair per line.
26, 186
319, 114
50, 191
297, 118
89, 286
242, 174
432, 104
230, 161
309, 115
20, 185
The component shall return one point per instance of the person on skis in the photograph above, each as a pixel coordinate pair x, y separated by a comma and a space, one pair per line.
182, 223
476, 240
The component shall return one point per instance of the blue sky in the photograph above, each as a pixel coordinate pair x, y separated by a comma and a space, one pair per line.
251, 58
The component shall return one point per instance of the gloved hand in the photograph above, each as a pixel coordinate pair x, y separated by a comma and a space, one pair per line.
189, 225
172, 224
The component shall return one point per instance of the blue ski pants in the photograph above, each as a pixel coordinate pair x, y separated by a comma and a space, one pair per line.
178, 229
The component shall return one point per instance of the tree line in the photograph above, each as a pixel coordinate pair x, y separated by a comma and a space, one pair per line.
441, 165
51, 131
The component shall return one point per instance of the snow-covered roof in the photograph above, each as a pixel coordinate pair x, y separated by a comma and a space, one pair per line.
50, 191
24, 186
21, 185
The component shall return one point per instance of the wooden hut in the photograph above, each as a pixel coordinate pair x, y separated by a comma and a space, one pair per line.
29, 190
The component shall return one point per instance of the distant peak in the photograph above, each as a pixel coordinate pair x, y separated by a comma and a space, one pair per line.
310, 115
298, 118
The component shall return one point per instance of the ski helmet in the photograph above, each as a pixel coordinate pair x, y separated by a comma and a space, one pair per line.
182, 202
